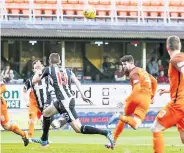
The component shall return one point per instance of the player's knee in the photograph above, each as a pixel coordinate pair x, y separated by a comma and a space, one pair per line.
156, 127
46, 113
31, 121
7, 126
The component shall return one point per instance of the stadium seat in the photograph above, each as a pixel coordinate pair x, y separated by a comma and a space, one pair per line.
73, 1
174, 12
68, 10
40, 1
64, 1
51, 1
19, 1
174, 2
125, 2
105, 2
146, 2
79, 10
94, 2
155, 3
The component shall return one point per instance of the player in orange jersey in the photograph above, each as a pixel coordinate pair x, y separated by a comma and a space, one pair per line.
173, 112
5, 122
143, 90
34, 112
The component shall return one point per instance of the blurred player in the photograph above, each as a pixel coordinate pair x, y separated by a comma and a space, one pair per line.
143, 90
173, 112
60, 84
5, 122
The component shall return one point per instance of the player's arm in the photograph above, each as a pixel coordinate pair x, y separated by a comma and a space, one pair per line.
178, 63
79, 87
135, 79
153, 85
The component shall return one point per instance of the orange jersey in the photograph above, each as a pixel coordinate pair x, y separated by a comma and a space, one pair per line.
176, 78
139, 75
2, 89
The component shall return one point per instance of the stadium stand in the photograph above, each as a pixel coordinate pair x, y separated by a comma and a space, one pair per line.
107, 10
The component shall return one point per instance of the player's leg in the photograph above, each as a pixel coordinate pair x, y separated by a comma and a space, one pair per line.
163, 121
128, 110
180, 126
7, 125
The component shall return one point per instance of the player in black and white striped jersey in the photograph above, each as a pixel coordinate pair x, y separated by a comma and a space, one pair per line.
63, 95
42, 95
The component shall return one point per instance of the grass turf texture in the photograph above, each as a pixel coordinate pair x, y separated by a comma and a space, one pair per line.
131, 141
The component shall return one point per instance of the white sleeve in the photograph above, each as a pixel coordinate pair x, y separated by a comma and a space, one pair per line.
77, 83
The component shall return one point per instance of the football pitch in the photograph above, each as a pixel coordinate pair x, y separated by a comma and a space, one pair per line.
67, 141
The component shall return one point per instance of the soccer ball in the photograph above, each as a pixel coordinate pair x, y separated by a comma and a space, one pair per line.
89, 12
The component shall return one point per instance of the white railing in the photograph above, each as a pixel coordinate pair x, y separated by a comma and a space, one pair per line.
138, 13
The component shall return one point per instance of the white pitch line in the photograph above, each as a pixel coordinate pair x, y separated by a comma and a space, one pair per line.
165, 145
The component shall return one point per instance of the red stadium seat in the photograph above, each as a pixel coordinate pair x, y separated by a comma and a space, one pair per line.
19, 1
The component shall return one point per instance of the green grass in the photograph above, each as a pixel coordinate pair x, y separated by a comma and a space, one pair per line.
130, 141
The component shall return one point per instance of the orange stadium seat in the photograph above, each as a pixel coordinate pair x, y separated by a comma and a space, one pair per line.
94, 1
40, 1
64, 1
155, 3
15, 11
68, 10
73, 1
105, 2
38, 13
19, 1
79, 10
146, 2
125, 2
174, 11
51, 1
174, 2
103, 12
133, 2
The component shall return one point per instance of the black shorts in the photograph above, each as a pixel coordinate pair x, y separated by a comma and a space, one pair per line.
67, 108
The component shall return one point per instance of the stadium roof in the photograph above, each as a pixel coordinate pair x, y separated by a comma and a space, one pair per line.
91, 31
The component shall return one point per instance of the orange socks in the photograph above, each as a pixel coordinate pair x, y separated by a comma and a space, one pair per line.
14, 128
31, 128
129, 120
158, 142
118, 130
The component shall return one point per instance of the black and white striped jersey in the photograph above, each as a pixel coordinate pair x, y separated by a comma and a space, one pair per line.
60, 81
41, 91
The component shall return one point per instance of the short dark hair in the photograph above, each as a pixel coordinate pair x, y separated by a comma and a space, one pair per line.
34, 62
173, 43
127, 58
54, 58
